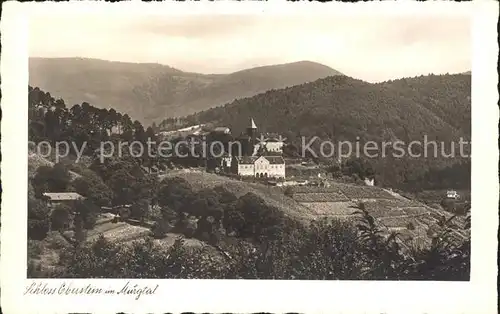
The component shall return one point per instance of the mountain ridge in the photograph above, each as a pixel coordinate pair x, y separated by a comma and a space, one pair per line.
435, 104
151, 92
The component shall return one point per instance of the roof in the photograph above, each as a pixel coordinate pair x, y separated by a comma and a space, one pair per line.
253, 126
273, 140
221, 129
247, 160
275, 160
65, 196
250, 160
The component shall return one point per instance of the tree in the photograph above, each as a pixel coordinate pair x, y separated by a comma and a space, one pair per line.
175, 194
93, 188
448, 205
121, 183
259, 219
80, 234
382, 254
41, 179
139, 133
51, 179
206, 203
87, 212
38, 219
160, 228
139, 210
60, 218
225, 197
234, 221
150, 134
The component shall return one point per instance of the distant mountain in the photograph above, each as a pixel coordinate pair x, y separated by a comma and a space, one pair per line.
153, 92
340, 107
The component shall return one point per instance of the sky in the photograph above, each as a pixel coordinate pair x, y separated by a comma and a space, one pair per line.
368, 48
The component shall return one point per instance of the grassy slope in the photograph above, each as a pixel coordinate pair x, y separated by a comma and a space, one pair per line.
271, 195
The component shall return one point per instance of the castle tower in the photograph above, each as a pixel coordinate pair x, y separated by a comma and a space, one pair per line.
252, 130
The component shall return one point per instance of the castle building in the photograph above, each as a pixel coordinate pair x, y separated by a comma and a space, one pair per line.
257, 163
259, 166
267, 144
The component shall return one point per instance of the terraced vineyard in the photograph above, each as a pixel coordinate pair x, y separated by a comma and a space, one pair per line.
414, 222
313, 189
332, 209
363, 192
319, 197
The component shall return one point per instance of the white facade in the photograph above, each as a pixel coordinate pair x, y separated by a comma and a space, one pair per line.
246, 170
226, 161
262, 167
452, 194
275, 147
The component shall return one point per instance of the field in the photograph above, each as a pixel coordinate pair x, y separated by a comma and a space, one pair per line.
118, 232
124, 232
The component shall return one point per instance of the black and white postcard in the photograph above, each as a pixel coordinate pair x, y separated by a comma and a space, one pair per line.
249, 157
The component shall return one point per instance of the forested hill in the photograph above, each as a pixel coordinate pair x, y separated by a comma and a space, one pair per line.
153, 92
342, 108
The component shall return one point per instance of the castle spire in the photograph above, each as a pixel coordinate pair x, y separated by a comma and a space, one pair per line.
253, 126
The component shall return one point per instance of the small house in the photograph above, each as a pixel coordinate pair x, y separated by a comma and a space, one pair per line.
62, 198
223, 130
452, 194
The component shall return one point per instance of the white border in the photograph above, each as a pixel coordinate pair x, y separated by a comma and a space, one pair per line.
476, 296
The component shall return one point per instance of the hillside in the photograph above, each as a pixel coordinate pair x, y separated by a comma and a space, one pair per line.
152, 92
272, 196
415, 222
342, 108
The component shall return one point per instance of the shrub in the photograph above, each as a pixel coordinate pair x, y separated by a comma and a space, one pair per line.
448, 205
34, 248
191, 226
87, 211
60, 218
233, 221
160, 229
93, 188
38, 219
139, 210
